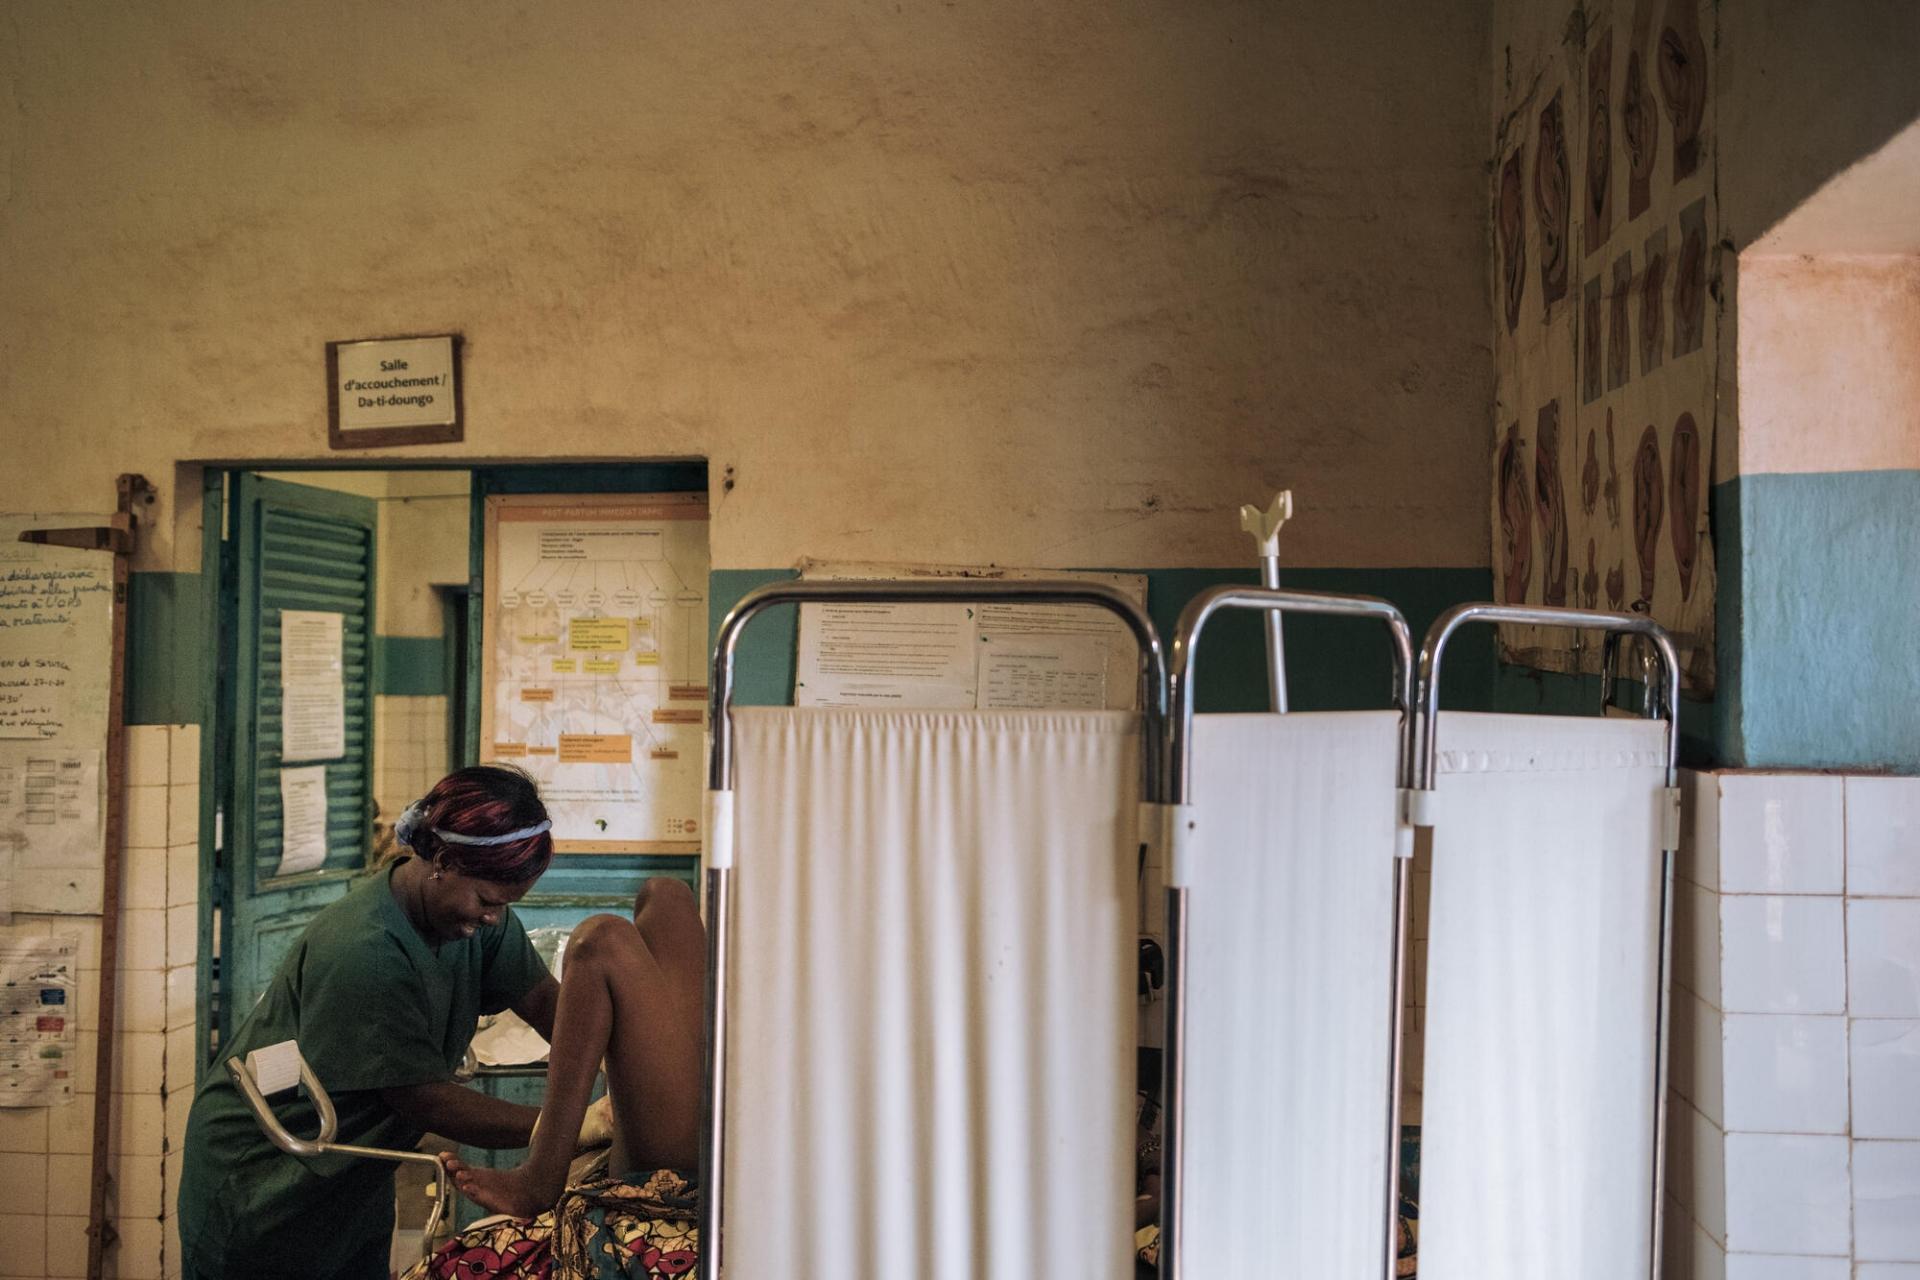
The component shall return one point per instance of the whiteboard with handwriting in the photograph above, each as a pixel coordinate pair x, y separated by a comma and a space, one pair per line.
56, 651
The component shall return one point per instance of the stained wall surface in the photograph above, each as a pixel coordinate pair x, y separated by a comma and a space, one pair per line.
1042, 285
1049, 285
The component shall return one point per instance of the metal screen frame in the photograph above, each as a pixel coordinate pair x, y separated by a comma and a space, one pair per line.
720, 776
1661, 701
1184, 668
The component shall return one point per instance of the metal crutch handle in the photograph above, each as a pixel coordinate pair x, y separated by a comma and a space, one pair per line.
323, 1143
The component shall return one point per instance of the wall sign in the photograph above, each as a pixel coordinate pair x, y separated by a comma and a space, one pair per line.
388, 391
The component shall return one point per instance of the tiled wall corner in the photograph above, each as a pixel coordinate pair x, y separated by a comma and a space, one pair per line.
1694, 1247
1782, 833
181, 1047
1818, 881
1885, 1058
410, 749
1883, 1007
1782, 869
49, 1149
1763, 1266
1883, 837
1787, 1194
158, 994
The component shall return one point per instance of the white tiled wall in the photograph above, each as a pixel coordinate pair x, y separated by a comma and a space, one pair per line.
409, 750
46, 1152
1795, 1142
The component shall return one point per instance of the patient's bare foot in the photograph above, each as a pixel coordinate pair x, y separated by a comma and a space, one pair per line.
515, 1191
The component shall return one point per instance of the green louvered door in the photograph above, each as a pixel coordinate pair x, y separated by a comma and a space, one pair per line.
296, 549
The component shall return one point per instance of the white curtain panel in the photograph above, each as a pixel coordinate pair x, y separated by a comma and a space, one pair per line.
1289, 979
932, 1070
1542, 962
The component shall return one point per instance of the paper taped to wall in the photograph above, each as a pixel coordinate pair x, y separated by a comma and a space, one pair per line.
1054, 671
37, 978
52, 849
313, 712
974, 656
887, 655
303, 819
56, 635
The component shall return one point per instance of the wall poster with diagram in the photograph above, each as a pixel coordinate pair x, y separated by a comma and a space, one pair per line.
594, 658
1607, 332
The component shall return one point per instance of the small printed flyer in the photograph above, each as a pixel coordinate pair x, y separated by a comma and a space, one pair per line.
38, 974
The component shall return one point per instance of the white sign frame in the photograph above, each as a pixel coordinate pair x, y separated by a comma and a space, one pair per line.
394, 391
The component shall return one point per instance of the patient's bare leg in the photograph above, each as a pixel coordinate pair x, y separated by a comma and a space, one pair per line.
631, 992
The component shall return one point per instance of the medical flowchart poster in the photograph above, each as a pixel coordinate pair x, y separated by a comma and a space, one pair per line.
595, 652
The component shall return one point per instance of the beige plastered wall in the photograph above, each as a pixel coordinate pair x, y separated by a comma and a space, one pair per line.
1828, 377
1053, 284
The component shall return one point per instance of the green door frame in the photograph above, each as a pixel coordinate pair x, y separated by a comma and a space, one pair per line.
217, 704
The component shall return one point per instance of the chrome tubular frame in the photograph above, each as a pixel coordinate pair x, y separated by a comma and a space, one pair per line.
1153, 706
1660, 672
1184, 670
323, 1144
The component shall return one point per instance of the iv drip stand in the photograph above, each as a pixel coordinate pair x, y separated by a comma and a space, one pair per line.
1264, 526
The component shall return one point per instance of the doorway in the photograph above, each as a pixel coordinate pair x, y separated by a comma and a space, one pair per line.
398, 555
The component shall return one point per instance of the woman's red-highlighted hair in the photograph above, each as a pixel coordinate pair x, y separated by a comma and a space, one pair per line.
485, 800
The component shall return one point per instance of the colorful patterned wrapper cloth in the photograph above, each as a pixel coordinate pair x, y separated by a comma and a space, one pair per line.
603, 1229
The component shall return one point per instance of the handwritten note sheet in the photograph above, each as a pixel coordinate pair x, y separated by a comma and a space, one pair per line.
56, 653
56, 635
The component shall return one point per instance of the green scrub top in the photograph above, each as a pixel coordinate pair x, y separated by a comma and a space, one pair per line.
373, 1007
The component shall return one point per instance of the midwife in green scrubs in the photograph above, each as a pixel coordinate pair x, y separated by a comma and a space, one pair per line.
383, 992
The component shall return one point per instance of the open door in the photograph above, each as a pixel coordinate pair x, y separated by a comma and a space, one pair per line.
294, 548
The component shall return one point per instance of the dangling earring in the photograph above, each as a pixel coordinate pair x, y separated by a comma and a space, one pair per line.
435, 875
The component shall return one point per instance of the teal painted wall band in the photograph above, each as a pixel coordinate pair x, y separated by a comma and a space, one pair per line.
1817, 624
1331, 663
1720, 723
1827, 593
167, 635
414, 666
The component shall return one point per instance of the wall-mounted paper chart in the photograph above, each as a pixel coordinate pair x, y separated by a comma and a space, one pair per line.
970, 656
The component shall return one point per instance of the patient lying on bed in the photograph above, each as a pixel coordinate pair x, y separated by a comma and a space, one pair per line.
631, 997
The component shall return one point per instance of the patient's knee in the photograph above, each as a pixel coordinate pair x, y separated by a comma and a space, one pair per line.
598, 938
663, 893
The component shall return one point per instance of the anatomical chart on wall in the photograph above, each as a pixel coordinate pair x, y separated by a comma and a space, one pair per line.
595, 653
968, 656
38, 975
1607, 349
